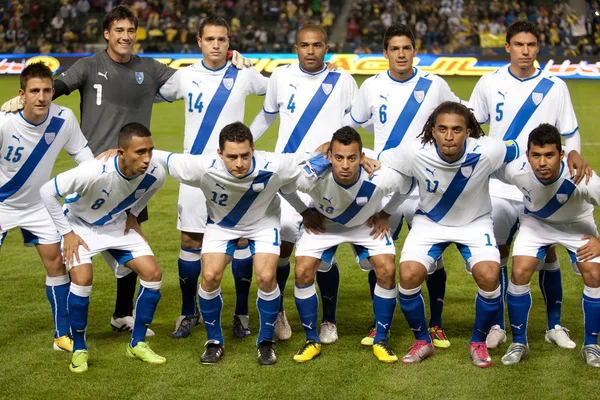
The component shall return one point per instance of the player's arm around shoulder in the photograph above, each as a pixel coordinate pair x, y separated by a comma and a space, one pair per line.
497, 152
591, 189
185, 168
400, 158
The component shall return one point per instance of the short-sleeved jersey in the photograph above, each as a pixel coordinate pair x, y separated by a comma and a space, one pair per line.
456, 193
98, 193
114, 94
558, 202
236, 202
311, 106
28, 152
213, 99
399, 108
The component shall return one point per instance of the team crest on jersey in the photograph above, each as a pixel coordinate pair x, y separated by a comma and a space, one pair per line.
466, 171
562, 198
257, 187
139, 77
327, 88
419, 95
537, 98
139, 193
228, 83
49, 137
361, 201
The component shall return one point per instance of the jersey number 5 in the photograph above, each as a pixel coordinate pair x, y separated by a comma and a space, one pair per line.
499, 113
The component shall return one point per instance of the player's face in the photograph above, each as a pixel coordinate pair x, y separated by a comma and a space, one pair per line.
345, 162
214, 44
37, 98
134, 158
450, 134
311, 49
400, 54
545, 161
523, 49
237, 157
121, 38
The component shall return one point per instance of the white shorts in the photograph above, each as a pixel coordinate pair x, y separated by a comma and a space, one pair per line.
291, 221
36, 225
191, 209
263, 239
427, 240
536, 237
409, 207
505, 214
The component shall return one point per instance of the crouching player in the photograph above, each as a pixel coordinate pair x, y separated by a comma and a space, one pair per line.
557, 211
95, 220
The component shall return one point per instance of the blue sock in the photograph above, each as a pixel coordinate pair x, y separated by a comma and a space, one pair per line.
241, 267
145, 307
436, 285
283, 273
551, 286
384, 303
412, 305
591, 314
268, 308
329, 284
307, 304
57, 291
372, 283
486, 308
518, 300
79, 304
189, 265
211, 305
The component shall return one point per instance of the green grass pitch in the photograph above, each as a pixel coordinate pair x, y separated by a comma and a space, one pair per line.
30, 369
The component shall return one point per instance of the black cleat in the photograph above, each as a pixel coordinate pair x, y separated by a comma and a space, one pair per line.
241, 329
213, 353
266, 353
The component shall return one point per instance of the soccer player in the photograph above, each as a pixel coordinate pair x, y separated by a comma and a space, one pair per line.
29, 144
452, 168
215, 93
311, 101
95, 220
347, 198
557, 211
515, 99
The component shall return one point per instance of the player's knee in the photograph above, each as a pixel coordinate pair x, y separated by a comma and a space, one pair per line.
520, 275
155, 275
210, 279
487, 275
591, 274
265, 276
304, 276
412, 275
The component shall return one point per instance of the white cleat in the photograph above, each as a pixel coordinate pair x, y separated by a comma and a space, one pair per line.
328, 333
283, 330
495, 337
126, 324
560, 336
516, 353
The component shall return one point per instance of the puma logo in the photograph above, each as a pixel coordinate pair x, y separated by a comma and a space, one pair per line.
502, 94
18, 139
210, 323
105, 75
516, 326
384, 326
294, 86
309, 326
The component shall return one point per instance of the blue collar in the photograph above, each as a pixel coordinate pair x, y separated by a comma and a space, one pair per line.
350, 185
213, 70
119, 171
406, 80
562, 169
538, 72
31, 123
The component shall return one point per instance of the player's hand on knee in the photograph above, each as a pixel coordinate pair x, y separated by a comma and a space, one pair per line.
13, 105
313, 222
71, 243
104, 156
589, 250
370, 165
132, 224
578, 167
380, 224
238, 60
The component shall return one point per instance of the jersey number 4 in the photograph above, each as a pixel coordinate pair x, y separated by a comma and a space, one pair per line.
198, 104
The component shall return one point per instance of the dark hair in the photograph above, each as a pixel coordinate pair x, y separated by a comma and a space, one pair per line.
545, 134
346, 135
116, 14
312, 27
235, 132
522, 27
130, 130
213, 20
451, 107
35, 70
398, 30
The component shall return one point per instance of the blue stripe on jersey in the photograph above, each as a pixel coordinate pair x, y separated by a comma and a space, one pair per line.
366, 191
213, 111
128, 201
317, 165
454, 190
243, 205
512, 151
527, 109
411, 108
73, 199
310, 114
565, 191
18, 180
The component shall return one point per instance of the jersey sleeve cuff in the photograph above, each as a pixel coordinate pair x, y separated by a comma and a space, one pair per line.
354, 119
163, 97
570, 133
56, 188
270, 112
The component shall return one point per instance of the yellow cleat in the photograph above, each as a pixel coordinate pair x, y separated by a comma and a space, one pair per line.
369, 339
438, 337
384, 353
310, 350
143, 352
79, 362
63, 343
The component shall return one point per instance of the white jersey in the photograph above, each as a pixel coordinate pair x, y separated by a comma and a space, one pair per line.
456, 193
514, 107
399, 108
28, 152
213, 99
558, 202
310, 106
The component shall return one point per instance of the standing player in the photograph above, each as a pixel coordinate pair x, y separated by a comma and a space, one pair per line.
514, 100
29, 144
215, 95
96, 220
311, 101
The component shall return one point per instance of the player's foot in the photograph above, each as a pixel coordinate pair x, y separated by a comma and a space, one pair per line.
79, 362
370, 338
241, 326
328, 333
560, 336
479, 354
266, 353
384, 353
213, 353
516, 353
495, 337
184, 325
63, 343
591, 355
123, 324
438, 337
143, 352
283, 330
309, 350
420, 350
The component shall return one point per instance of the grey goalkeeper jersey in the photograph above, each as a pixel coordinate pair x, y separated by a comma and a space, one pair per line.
114, 94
